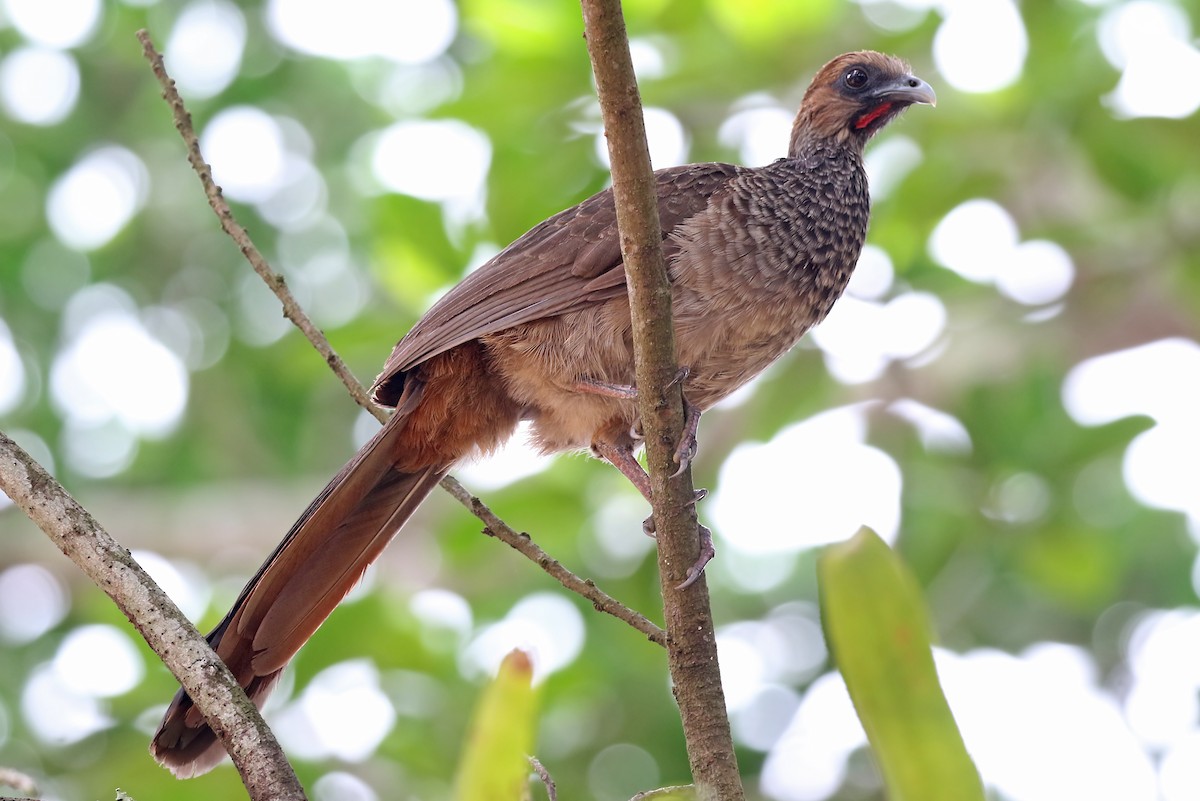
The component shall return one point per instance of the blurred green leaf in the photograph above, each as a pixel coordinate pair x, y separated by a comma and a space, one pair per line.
494, 765
879, 632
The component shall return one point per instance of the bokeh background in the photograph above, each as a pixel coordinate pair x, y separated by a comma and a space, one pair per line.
1009, 392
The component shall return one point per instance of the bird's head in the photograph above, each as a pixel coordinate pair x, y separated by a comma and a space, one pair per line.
854, 96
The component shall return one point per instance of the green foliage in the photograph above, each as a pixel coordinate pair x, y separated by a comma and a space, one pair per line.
494, 764
880, 640
266, 424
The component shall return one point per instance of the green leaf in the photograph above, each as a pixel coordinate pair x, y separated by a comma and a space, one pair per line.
879, 632
494, 764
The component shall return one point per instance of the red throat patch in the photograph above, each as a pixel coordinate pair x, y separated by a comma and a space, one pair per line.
872, 115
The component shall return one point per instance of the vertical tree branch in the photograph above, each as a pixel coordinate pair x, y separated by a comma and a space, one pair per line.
691, 645
259, 759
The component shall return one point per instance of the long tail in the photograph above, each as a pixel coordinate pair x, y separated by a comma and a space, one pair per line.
311, 570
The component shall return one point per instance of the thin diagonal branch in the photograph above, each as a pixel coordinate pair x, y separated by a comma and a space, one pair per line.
291, 308
495, 526
521, 542
259, 759
18, 781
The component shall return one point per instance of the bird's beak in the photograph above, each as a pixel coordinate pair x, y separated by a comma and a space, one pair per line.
906, 89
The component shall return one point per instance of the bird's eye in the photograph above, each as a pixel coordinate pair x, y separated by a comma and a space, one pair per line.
856, 78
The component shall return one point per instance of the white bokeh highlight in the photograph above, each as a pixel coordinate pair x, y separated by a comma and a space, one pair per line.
406, 31
89, 204
12, 371
444, 161
813, 483
860, 338
99, 661
204, 50
939, 431
338, 785
1037, 725
873, 275
758, 656
1041, 729
1158, 380
32, 601
973, 238
514, 460
1162, 704
342, 713
184, 583
57, 714
112, 369
1151, 43
808, 762
443, 609
39, 85
888, 162
1040, 272
979, 240
980, 45
54, 23
246, 148
665, 137
759, 131
112, 382
546, 626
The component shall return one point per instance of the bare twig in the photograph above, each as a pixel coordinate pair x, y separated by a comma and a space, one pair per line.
546, 779
684, 792
259, 759
691, 648
293, 311
17, 780
276, 282
601, 601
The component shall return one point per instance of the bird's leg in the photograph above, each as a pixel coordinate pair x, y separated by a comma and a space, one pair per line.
685, 451
620, 456
594, 386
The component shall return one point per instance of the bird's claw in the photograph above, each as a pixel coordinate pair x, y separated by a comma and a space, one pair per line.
707, 552
648, 527
685, 451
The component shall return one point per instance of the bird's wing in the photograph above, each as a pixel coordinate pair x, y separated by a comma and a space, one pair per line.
568, 262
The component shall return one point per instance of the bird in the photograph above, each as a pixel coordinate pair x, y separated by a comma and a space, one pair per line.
541, 333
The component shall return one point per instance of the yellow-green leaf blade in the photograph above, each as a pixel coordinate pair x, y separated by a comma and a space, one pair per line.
494, 765
879, 631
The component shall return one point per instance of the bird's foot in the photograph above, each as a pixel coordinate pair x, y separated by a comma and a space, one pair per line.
707, 552
680, 376
594, 386
685, 451
620, 456
648, 527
